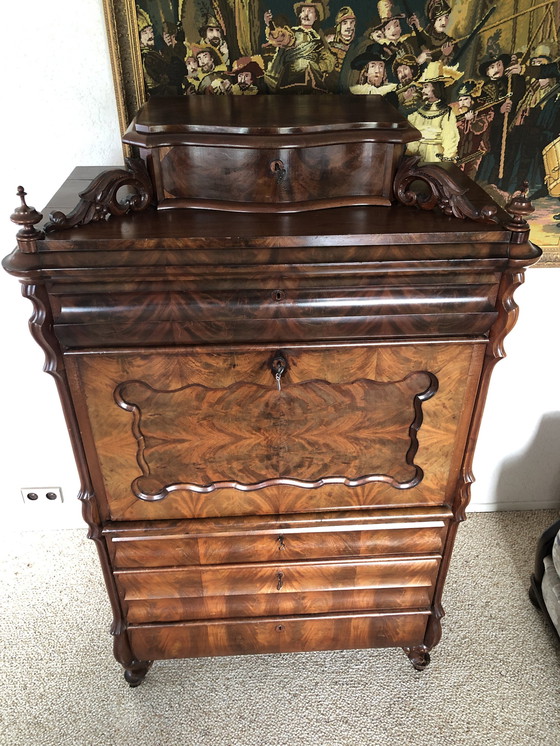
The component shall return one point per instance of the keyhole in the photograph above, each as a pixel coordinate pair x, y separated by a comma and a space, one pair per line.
278, 367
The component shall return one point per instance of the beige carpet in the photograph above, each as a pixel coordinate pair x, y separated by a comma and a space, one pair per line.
494, 679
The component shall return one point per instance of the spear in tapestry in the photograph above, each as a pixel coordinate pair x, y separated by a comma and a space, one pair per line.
505, 130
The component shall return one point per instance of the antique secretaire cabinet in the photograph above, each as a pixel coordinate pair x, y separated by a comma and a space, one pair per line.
273, 357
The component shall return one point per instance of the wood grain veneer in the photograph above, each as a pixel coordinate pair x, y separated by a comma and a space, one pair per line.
296, 537
278, 634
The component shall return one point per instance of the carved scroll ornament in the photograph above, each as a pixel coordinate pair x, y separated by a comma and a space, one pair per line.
444, 192
100, 200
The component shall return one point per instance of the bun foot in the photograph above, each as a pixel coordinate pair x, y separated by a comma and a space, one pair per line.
136, 673
419, 657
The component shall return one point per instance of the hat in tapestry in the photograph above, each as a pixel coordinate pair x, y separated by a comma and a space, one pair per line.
317, 4
370, 54
437, 72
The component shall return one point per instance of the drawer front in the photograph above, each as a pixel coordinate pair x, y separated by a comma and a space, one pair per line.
233, 591
251, 304
277, 176
280, 541
200, 433
279, 635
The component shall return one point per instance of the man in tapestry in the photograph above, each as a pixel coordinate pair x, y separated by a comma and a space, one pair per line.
433, 38
536, 125
210, 69
342, 39
303, 59
504, 92
159, 75
435, 119
407, 71
373, 75
247, 71
211, 34
174, 53
473, 123
387, 31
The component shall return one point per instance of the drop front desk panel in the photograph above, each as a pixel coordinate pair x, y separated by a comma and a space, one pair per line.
273, 415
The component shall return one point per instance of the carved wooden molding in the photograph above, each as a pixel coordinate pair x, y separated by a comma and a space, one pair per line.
40, 326
507, 316
100, 200
444, 193
192, 438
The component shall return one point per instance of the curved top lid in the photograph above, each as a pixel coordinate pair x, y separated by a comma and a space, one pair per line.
271, 115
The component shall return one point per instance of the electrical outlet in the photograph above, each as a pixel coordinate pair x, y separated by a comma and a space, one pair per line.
36, 495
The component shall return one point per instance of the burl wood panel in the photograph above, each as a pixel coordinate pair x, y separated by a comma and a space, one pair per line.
213, 542
311, 176
278, 635
292, 588
249, 436
107, 428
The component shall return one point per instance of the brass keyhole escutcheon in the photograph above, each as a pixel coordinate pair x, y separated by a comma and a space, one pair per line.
280, 583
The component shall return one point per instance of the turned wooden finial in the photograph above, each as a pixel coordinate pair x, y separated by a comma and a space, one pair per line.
27, 217
519, 207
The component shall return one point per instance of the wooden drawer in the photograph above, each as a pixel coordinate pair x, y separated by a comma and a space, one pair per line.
304, 537
231, 591
197, 433
278, 635
268, 307
292, 163
292, 178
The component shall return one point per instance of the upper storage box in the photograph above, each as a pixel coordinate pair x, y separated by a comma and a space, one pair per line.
313, 152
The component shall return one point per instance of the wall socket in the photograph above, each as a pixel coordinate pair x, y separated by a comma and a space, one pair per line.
36, 495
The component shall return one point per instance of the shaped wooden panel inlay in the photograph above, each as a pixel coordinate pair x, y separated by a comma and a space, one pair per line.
249, 436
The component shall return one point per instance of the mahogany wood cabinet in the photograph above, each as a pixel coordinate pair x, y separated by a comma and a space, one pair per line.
273, 415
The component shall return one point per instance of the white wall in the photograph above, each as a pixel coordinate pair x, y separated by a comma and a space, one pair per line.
61, 113
517, 460
58, 111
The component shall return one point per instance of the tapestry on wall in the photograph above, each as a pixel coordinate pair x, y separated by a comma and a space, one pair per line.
480, 79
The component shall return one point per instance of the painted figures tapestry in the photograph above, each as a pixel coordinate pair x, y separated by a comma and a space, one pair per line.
480, 79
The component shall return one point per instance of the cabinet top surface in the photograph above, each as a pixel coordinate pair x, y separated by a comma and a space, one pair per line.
275, 115
360, 225
345, 234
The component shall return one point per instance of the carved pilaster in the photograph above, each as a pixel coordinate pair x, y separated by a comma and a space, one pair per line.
41, 326
507, 316
444, 192
100, 200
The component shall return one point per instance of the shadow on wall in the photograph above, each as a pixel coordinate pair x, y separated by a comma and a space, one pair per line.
532, 476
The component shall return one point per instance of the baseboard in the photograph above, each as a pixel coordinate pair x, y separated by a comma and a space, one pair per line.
490, 507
